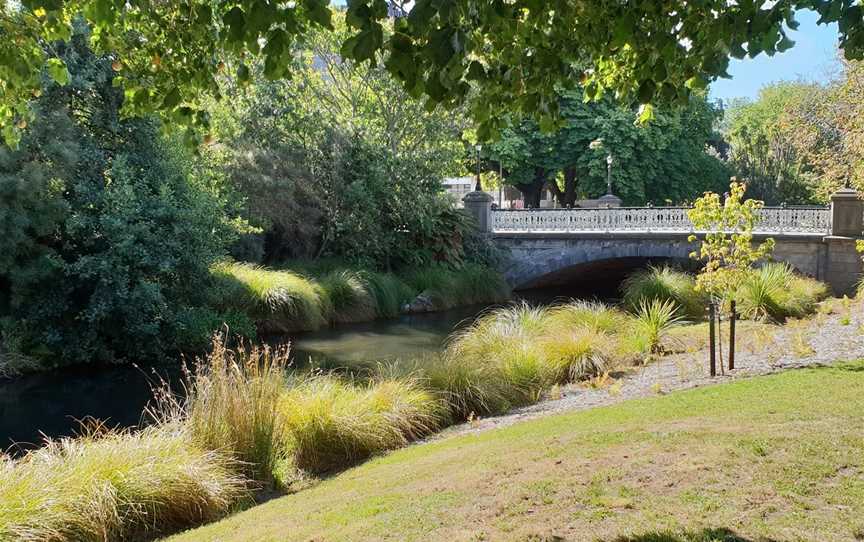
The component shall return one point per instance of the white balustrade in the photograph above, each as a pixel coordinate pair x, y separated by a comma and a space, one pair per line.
773, 220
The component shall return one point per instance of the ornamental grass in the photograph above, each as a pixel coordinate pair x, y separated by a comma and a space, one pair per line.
116, 485
331, 423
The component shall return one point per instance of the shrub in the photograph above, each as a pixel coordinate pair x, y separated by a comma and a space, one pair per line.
196, 325
664, 283
652, 320
109, 228
230, 404
115, 486
279, 301
331, 423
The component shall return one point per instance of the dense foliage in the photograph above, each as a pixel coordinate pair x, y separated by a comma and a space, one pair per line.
667, 161
514, 54
107, 231
799, 142
341, 161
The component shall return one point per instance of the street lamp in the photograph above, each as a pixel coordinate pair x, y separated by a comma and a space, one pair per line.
608, 173
479, 187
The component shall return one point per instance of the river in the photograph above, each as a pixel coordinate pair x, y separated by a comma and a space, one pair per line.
51, 404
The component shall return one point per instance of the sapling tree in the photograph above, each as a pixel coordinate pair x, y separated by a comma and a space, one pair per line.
727, 247
728, 250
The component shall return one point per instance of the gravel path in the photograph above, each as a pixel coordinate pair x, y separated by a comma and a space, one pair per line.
821, 340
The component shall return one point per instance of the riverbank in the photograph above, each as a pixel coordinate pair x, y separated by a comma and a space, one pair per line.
774, 457
836, 332
309, 296
240, 408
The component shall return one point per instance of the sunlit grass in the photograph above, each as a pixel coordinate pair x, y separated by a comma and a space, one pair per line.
775, 292
331, 423
230, 403
279, 301
115, 486
664, 284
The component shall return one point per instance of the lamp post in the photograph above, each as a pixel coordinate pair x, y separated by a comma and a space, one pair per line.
479, 186
608, 174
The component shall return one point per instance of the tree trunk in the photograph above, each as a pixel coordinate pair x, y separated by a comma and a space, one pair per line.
531, 192
569, 187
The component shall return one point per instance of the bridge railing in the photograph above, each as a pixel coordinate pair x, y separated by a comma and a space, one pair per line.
775, 220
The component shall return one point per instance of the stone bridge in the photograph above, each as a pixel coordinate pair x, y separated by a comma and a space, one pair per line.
560, 246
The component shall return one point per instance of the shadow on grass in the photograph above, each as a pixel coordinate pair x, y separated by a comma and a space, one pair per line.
705, 535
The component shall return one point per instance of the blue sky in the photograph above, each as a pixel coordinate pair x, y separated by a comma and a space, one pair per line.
814, 58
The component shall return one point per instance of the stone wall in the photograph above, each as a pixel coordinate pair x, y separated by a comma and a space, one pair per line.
543, 259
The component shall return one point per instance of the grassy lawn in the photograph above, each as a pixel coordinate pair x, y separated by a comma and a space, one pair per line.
771, 458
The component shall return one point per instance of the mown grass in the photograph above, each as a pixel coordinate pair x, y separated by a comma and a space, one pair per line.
314, 295
769, 458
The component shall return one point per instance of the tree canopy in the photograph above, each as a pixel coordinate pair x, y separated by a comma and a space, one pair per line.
668, 161
169, 56
799, 142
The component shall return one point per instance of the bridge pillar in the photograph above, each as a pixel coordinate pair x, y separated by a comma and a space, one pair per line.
479, 206
843, 263
847, 213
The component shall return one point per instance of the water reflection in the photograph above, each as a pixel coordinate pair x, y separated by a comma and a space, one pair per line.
51, 403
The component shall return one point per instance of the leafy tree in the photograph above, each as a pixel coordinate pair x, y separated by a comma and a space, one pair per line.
727, 247
826, 130
107, 230
763, 151
800, 142
170, 55
340, 160
665, 161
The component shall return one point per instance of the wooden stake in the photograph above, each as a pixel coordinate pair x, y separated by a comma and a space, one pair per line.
732, 318
713, 341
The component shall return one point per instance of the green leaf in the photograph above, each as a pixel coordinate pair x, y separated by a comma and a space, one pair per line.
57, 70
785, 44
236, 22
318, 12
243, 74
172, 99
646, 91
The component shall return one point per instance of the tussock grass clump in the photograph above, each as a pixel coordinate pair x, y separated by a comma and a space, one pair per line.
348, 298
279, 301
598, 317
389, 292
468, 388
774, 292
448, 288
331, 423
231, 404
115, 486
664, 283
651, 322
512, 355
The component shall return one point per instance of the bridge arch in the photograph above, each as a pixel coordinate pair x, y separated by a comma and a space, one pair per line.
555, 259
